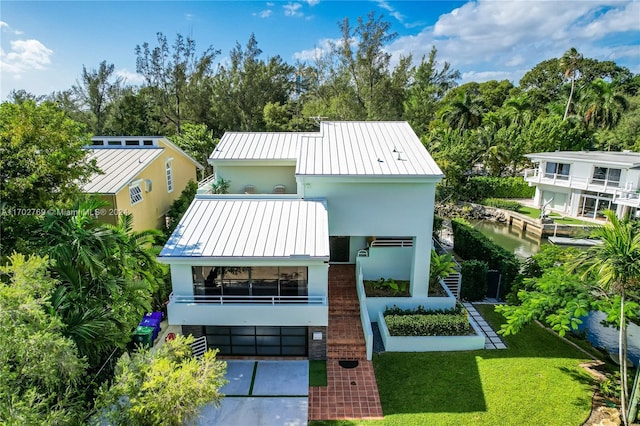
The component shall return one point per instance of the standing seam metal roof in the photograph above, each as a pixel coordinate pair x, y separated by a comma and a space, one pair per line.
258, 146
365, 149
120, 166
219, 227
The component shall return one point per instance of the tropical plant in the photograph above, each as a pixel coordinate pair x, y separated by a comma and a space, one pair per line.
442, 265
615, 265
603, 104
221, 186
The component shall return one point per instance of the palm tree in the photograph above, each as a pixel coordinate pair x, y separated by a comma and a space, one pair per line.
603, 105
518, 109
464, 112
616, 265
570, 62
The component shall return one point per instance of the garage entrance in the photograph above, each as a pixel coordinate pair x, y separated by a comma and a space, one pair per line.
258, 340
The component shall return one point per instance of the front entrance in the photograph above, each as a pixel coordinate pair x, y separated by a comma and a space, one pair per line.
339, 249
258, 340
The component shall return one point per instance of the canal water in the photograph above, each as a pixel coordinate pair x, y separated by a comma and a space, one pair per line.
524, 246
511, 238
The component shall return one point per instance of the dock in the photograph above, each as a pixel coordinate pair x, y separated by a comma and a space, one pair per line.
581, 242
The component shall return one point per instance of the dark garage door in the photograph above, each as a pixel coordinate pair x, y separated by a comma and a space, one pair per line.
259, 340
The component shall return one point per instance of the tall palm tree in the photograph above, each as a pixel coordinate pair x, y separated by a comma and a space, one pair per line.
570, 62
616, 265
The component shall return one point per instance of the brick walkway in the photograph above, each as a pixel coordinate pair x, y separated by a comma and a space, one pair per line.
351, 393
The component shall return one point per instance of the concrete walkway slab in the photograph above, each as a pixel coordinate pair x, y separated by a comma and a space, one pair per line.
275, 378
261, 411
239, 374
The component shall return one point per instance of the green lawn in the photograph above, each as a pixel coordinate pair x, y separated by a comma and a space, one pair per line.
536, 381
557, 218
317, 373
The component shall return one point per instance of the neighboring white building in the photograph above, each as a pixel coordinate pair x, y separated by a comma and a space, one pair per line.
250, 268
584, 183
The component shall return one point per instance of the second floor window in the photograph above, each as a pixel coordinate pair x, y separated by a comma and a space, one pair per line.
606, 176
169, 176
557, 170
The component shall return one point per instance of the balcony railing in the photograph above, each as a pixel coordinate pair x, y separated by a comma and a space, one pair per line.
244, 299
578, 182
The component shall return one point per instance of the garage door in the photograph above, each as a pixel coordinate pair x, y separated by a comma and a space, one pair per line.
260, 340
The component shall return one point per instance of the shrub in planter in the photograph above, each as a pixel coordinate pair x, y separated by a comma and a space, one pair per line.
428, 325
474, 280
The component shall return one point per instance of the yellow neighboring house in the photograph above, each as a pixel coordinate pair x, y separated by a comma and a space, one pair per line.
141, 176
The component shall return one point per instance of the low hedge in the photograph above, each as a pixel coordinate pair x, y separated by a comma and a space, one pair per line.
471, 244
478, 188
428, 325
501, 203
420, 310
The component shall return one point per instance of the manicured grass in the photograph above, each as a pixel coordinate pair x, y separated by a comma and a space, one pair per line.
317, 373
573, 221
529, 211
536, 381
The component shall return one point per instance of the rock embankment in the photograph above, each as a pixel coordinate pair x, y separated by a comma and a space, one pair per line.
470, 211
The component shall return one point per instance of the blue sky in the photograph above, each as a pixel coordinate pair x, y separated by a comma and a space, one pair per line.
44, 44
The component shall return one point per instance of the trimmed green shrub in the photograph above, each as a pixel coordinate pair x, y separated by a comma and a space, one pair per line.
474, 280
428, 325
420, 310
471, 244
501, 203
478, 188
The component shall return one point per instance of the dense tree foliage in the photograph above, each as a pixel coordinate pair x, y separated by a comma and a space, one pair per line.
40, 368
166, 387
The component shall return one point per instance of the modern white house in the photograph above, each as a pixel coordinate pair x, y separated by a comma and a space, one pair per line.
250, 268
583, 184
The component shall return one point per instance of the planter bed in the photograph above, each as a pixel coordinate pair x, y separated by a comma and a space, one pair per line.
471, 341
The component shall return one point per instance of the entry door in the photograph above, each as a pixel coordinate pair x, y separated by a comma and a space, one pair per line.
339, 249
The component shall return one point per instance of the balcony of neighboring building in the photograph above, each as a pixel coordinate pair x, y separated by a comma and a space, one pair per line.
596, 179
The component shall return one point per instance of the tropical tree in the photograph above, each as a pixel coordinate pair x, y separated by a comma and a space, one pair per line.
570, 62
107, 277
615, 264
163, 388
463, 112
197, 141
40, 368
42, 166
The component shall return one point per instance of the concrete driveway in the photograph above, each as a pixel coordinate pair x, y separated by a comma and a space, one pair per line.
278, 395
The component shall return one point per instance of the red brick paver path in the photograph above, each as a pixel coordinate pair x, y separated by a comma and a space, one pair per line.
351, 393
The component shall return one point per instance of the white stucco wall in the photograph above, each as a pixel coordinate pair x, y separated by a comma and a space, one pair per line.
380, 207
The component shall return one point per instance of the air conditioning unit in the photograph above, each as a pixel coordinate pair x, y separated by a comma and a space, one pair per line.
148, 185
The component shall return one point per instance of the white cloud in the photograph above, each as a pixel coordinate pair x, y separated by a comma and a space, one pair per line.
264, 13
480, 76
25, 55
6, 27
392, 11
322, 48
312, 2
620, 19
293, 9
270, 4
130, 77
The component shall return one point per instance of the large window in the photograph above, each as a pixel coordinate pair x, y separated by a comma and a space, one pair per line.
606, 177
592, 204
557, 170
251, 340
281, 281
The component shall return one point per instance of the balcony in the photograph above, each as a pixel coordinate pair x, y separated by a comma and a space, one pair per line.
626, 197
244, 310
535, 176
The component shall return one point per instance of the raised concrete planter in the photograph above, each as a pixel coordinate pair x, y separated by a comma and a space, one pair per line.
430, 343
